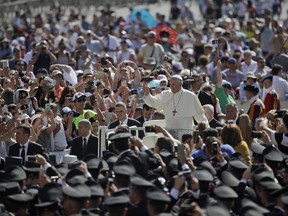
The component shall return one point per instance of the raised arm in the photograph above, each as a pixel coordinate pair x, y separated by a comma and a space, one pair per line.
218, 74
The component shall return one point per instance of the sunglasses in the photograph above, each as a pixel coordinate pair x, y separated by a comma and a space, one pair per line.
227, 86
22, 97
80, 100
20, 64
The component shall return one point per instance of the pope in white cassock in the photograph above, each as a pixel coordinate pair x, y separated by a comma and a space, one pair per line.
179, 106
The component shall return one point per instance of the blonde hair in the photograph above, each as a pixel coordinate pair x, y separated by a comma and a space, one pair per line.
245, 126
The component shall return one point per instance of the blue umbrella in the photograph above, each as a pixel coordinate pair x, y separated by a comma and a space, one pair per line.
145, 16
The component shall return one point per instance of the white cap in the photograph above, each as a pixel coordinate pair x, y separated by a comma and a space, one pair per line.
178, 77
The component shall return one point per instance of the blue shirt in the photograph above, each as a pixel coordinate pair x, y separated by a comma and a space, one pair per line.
224, 148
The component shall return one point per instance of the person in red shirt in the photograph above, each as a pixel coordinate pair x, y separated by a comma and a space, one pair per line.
57, 76
270, 97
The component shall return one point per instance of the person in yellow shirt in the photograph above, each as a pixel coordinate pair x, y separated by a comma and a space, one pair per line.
231, 134
79, 100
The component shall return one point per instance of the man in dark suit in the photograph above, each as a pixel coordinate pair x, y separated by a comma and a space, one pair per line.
24, 146
121, 112
85, 143
147, 114
142, 162
209, 113
204, 97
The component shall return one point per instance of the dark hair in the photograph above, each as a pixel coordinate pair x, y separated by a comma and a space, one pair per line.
99, 83
285, 120
165, 143
224, 59
203, 60
146, 107
157, 206
25, 128
7, 96
66, 90
276, 69
121, 144
186, 136
209, 141
210, 132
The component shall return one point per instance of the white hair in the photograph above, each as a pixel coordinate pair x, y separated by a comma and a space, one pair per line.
209, 106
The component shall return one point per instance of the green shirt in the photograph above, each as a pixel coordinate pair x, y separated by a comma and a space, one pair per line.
223, 98
79, 118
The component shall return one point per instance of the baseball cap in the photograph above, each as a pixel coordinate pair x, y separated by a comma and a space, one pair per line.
79, 73
78, 95
56, 72
66, 110
87, 72
226, 84
151, 34
232, 60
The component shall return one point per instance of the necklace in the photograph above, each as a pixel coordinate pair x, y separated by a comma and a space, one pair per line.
175, 107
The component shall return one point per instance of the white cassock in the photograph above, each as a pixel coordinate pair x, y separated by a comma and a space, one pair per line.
185, 103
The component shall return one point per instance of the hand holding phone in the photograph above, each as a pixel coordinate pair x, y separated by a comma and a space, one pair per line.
214, 148
196, 136
256, 134
150, 129
181, 150
47, 107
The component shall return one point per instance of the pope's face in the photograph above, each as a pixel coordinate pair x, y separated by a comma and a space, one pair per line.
175, 85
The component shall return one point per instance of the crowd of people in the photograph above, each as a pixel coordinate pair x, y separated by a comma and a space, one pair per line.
62, 77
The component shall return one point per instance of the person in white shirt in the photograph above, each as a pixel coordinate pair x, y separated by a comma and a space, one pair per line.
111, 44
262, 69
60, 142
179, 105
250, 79
248, 64
279, 84
151, 49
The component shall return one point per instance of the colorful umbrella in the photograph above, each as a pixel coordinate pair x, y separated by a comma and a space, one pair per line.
163, 30
145, 16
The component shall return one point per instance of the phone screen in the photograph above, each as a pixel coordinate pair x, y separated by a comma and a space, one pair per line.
181, 150
47, 107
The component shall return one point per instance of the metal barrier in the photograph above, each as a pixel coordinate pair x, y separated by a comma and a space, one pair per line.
103, 132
